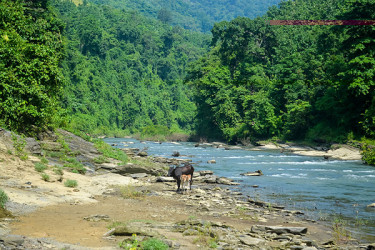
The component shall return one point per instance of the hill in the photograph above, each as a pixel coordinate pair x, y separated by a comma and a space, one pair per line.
124, 71
198, 15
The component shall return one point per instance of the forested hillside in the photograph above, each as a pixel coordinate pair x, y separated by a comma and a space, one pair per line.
198, 15
125, 71
293, 82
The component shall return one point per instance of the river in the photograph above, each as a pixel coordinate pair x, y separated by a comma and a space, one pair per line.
324, 190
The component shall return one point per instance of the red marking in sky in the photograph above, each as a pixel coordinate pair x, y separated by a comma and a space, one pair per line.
322, 22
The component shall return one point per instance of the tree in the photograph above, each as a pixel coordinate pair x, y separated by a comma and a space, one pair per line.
165, 15
31, 51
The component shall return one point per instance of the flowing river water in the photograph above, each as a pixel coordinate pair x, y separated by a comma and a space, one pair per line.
325, 190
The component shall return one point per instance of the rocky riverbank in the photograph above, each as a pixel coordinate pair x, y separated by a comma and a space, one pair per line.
335, 151
130, 203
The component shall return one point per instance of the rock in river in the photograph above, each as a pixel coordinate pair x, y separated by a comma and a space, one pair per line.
256, 173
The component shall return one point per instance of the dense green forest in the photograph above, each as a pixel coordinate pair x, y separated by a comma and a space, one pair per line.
97, 68
197, 15
31, 51
291, 82
125, 71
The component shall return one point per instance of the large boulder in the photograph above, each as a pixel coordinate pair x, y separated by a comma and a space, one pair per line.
130, 168
251, 241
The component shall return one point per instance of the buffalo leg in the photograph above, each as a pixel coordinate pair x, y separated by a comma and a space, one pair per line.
178, 184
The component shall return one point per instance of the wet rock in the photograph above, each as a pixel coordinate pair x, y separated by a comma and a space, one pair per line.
142, 154
285, 230
210, 179
211, 161
226, 181
130, 151
176, 154
251, 241
371, 205
205, 172
256, 173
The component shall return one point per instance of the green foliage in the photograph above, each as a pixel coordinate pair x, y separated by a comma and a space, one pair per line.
368, 154
19, 143
70, 183
110, 152
44, 160
31, 50
340, 231
40, 167
155, 133
58, 170
100, 160
130, 244
75, 166
153, 244
195, 15
290, 81
45, 177
124, 71
3, 198
148, 244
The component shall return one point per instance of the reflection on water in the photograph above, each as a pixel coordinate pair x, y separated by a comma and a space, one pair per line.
317, 186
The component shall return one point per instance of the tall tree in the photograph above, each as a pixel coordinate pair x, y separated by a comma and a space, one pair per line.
31, 50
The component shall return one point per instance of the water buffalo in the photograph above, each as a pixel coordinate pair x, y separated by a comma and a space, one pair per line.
176, 173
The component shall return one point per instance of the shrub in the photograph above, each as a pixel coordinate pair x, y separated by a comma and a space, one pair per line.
40, 167
75, 166
3, 198
110, 152
154, 243
368, 155
44, 160
129, 192
152, 130
58, 170
19, 143
45, 177
70, 183
130, 243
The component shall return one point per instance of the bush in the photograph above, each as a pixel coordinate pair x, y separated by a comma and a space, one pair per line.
40, 167
70, 183
3, 198
368, 155
110, 152
45, 177
75, 166
153, 244
58, 170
